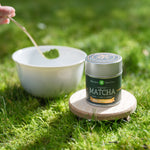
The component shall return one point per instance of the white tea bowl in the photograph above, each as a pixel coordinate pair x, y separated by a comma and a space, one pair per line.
44, 77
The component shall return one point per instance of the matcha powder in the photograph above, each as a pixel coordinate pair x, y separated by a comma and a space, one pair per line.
51, 54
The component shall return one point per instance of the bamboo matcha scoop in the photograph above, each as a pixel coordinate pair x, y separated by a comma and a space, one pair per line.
53, 53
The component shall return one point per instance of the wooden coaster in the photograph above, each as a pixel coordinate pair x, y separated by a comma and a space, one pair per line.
80, 107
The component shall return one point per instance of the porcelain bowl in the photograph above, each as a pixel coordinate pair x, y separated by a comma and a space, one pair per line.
44, 77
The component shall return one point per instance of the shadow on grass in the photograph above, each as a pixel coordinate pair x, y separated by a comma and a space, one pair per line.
60, 132
64, 131
17, 104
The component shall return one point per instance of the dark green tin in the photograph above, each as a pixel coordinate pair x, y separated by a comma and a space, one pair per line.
103, 78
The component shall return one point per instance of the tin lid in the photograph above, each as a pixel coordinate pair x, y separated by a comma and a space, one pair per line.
103, 65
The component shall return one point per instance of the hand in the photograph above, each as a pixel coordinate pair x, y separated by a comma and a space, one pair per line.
6, 11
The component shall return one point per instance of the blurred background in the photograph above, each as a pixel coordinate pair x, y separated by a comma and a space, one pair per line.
118, 26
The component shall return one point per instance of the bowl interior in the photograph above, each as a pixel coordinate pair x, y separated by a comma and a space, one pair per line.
31, 57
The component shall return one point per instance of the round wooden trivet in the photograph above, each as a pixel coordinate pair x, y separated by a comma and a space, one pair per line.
80, 107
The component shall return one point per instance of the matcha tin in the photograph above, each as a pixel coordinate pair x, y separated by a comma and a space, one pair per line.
103, 78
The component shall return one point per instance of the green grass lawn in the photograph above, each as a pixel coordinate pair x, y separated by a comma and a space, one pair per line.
118, 26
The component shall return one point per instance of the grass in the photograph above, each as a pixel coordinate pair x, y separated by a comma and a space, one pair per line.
121, 27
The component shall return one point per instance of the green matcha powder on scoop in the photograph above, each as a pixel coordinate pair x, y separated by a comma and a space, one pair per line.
51, 54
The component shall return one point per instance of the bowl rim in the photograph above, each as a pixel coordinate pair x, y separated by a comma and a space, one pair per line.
56, 46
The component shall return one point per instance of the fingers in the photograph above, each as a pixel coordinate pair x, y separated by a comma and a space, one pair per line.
6, 11
4, 21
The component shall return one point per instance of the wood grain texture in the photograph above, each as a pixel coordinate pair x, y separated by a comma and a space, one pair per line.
80, 107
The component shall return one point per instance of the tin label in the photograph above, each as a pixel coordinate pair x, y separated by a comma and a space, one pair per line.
103, 91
